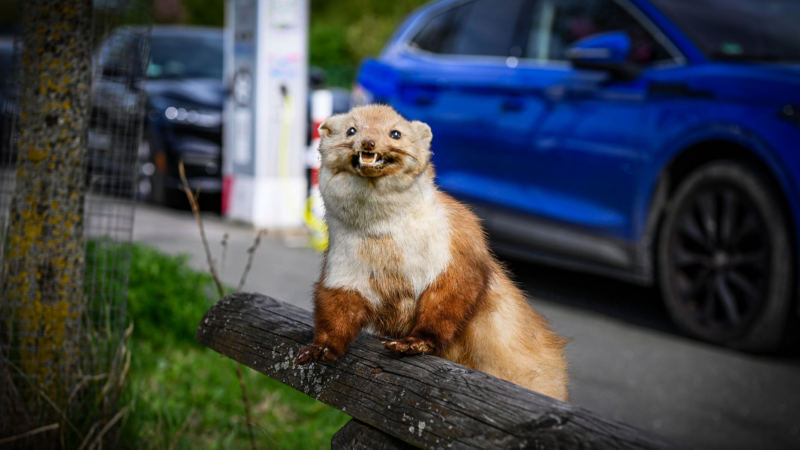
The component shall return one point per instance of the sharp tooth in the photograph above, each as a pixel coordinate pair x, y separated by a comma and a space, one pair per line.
372, 158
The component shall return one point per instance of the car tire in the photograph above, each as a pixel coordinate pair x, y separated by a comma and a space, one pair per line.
150, 183
725, 259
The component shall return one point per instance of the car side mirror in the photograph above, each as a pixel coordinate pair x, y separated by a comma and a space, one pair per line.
316, 77
606, 52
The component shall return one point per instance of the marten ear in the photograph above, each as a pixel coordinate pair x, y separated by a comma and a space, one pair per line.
423, 132
330, 126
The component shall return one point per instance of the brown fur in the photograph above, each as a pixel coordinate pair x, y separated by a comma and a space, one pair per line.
471, 313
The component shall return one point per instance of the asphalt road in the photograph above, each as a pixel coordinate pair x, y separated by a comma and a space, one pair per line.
628, 362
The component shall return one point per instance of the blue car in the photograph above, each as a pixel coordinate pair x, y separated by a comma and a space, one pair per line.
653, 140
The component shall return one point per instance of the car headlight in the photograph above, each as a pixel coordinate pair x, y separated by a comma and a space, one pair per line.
193, 116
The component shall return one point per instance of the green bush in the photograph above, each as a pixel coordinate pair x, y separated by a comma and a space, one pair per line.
166, 297
185, 396
205, 12
345, 32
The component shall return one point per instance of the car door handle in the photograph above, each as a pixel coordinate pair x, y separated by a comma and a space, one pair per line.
513, 104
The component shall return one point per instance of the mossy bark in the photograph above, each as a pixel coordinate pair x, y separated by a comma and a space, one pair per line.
44, 262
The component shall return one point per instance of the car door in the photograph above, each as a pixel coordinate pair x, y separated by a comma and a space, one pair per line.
588, 146
459, 75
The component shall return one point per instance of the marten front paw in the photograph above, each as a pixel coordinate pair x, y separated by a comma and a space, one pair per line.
410, 346
318, 353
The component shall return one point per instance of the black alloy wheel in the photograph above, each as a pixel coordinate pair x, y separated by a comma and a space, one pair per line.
725, 258
150, 181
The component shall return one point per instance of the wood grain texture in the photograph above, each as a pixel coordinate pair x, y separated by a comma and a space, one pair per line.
423, 400
356, 435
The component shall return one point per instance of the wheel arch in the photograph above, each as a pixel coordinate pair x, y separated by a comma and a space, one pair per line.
688, 159
683, 161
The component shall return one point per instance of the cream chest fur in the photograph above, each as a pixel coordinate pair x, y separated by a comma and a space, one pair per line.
405, 210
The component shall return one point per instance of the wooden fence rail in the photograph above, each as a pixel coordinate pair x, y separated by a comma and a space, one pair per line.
405, 402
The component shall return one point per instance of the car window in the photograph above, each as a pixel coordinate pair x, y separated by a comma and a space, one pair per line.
189, 56
479, 28
438, 34
748, 30
556, 24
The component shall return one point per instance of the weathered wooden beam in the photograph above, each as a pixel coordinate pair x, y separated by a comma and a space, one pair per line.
422, 400
356, 435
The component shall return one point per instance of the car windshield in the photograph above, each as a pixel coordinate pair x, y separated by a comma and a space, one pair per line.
746, 30
195, 56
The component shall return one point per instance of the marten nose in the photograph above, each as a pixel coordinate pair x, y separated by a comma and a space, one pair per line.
368, 144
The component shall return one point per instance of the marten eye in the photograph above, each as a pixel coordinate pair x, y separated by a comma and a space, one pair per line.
394, 134
351, 131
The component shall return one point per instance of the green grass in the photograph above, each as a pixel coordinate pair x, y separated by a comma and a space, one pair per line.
188, 396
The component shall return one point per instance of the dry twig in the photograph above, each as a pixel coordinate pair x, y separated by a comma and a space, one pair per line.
196, 211
224, 244
246, 401
89, 435
83, 381
43, 395
99, 439
53, 426
252, 252
180, 431
267, 435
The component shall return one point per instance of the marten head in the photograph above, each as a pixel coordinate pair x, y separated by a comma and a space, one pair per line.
375, 141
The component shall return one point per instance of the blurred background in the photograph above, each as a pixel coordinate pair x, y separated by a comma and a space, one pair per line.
634, 161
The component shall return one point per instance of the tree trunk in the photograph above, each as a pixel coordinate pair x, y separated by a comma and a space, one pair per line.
44, 262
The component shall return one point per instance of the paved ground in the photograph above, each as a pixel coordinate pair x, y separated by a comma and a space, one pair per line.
627, 361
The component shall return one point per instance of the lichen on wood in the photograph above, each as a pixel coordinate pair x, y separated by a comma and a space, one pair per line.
44, 262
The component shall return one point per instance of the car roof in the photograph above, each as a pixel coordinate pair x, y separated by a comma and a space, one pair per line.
178, 30
172, 31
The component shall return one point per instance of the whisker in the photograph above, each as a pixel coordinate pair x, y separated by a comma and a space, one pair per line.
346, 145
403, 152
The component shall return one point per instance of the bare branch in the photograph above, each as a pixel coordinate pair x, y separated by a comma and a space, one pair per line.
89, 436
43, 395
224, 254
196, 210
246, 401
252, 252
53, 426
267, 435
180, 431
83, 381
99, 438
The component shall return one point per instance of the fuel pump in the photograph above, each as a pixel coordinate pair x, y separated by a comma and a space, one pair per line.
264, 134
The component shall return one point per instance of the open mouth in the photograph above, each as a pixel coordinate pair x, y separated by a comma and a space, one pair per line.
369, 158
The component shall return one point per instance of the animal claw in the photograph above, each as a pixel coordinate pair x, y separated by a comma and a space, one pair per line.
409, 346
314, 353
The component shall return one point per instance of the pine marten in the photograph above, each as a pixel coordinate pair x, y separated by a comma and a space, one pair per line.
413, 264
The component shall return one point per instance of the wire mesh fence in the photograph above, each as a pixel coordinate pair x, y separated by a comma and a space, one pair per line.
72, 113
